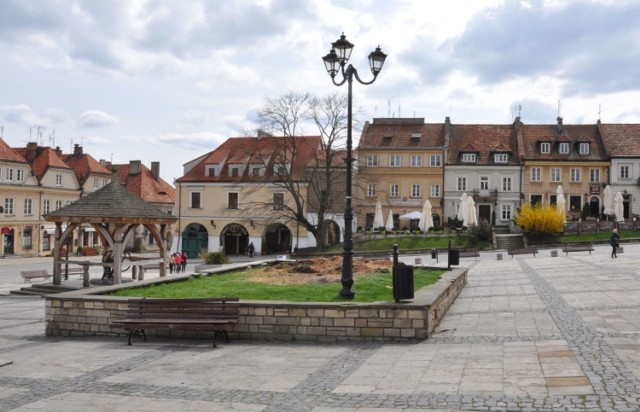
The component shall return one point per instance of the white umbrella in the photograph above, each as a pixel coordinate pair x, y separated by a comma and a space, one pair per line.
412, 215
389, 225
462, 210
560, 207
559, 190
470, 218
426, 220
377, 218
608, 201
618, 207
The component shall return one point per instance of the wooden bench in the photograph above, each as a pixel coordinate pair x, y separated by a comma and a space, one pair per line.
28, 275
203, 314
469, 253
586, 247
523, 251
73, 271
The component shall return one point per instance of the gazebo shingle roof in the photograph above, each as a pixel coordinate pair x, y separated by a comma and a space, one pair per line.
111, 203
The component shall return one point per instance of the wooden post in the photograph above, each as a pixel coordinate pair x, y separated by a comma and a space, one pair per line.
85, 276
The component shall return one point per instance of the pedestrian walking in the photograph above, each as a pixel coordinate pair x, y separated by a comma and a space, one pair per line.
172, 262
614, 241
178, 263
252, 249
184, 261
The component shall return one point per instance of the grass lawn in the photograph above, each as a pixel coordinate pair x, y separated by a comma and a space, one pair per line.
414, 242
373, 287
590, 237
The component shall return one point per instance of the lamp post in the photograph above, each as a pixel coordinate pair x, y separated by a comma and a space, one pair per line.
335, 62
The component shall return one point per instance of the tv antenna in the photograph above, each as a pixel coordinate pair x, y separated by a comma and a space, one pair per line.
52, 138
38, 130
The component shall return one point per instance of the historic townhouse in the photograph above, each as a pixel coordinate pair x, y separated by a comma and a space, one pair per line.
569, 155
234, 195
400, 164
622, 144
482, 162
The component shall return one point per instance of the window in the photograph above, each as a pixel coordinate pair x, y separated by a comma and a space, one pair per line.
575, 203
386, 141
545, 148
415, 190
58, 204
462, 184
59, 179
255, 171
594, 175
96, 182
372, 160
536, 200
20, 175
196, 198
278, 201
575, 175
555, 174
435, 190
371, 189
506, 184
583, 149
553, 199
394, 190
46, 206
28, 207
501, 158
564, 148
469, 157
9, 175
484, 182
232, 202
624, 172
435, 160
416, 160
26, 239
8, 206
281, 170
235, 172
211, 171
505, 212
394, 160
536, 174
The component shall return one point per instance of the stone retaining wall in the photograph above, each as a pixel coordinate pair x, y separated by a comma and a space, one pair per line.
80, 313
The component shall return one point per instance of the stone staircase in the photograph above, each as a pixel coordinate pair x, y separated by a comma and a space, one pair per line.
508, 241
41, 289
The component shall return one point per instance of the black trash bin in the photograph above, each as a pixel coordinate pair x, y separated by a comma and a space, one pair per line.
454, 257
402, 282
434, 253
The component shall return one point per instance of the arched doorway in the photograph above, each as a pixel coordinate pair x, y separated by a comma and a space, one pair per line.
331, 233
276, 239
7, 244
194, 239
594, 206
234, 239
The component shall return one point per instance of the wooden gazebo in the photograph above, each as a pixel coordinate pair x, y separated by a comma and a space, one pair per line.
114, 213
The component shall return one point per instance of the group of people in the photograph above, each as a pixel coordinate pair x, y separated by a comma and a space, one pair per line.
178, 262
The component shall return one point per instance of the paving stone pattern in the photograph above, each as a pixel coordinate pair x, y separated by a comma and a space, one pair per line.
526, 334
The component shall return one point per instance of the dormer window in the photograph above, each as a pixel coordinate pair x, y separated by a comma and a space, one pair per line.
211, 171
386, 141
469, 158
500, 157
583, 148
563, 148
416, 136
545, 148
235, 171
255, 171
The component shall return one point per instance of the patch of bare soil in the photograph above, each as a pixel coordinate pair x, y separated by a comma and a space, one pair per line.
318, 270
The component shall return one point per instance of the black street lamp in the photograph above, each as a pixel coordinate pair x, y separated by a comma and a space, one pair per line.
336, 61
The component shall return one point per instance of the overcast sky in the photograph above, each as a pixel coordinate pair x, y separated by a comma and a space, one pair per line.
170, 80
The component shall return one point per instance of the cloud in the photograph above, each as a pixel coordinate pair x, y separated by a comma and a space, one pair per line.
96, 118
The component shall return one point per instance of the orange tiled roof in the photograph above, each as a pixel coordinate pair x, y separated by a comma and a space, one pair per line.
300, 151
84, 165
403, 133
483, 139
534, 134
42, 159
145, 185
8, 154
621, 140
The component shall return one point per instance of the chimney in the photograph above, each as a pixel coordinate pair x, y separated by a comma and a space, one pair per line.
155, 170
77, 150
134, 167
32, 149
560, 128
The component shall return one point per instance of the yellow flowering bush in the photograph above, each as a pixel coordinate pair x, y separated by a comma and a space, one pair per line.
539, 219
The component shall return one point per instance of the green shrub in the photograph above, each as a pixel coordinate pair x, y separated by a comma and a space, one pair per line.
212, 258
482, 231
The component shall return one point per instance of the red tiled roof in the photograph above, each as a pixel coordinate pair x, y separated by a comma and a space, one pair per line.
534, 134
145, 185
401, 130
483, 139
43, 159
299, 151
8, 154
621, 140
84, 165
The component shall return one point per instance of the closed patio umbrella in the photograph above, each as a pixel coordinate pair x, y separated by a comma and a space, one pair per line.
389, 225
377, 217
470, 216
462, 210
618, 207
608, 201
426, 220
560, 207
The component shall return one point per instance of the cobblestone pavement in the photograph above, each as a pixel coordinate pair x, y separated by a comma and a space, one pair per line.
526, 334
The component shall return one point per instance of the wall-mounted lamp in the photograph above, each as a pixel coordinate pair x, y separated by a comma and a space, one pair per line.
252, 223
213, 223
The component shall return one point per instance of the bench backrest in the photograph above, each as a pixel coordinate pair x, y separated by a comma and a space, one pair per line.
34, 273
202, 308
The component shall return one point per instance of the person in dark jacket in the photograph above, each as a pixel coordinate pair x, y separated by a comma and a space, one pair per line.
252, 249
184, 261
614, 241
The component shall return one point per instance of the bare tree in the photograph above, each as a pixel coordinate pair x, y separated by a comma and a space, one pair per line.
309, 169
